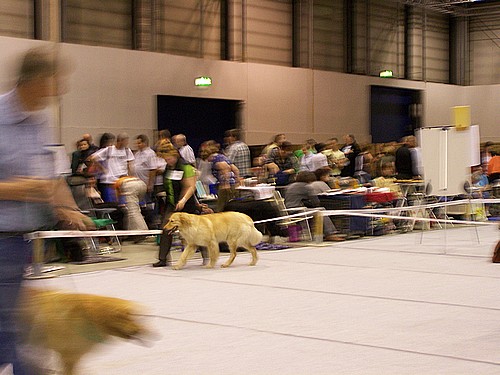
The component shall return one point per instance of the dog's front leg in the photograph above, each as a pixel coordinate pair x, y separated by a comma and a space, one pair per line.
213, 254
186, 254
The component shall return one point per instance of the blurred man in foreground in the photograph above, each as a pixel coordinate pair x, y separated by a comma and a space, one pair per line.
31, 197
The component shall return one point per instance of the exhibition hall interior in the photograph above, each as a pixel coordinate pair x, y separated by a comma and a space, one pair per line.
308, 186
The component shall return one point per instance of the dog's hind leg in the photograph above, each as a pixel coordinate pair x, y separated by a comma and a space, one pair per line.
232, 254
255, 258
186, 254
204, 255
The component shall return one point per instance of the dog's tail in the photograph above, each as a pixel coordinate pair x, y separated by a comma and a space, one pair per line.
255, 236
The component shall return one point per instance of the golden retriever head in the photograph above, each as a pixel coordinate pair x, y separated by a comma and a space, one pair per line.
177, 220
71, 324
113, 316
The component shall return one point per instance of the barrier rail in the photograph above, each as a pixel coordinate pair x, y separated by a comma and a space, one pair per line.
39, 236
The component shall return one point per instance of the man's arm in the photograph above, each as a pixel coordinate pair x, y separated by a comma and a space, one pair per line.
26, 189
96, 158
130, 168
151, 180
54, 192
66, 209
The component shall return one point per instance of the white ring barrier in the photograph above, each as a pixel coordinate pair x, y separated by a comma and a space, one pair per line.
38, 236
379, 212
88, 233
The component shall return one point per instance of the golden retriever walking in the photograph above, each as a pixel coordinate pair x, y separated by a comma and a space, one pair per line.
234, 228
72, 324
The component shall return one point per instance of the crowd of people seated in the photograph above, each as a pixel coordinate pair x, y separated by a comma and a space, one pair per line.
162, 177
280, 161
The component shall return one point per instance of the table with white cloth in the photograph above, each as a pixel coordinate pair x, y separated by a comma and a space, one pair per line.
258, 192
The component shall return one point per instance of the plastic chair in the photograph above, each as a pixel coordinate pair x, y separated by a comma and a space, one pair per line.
425, 197
78, 189
470, 190
292, 221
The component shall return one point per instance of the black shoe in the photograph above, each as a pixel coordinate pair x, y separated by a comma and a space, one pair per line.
160, 263
139, 239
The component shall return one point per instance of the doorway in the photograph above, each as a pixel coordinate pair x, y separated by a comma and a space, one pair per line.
200, 119
394, 113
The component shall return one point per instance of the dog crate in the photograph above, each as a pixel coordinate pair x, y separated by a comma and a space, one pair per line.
350, 225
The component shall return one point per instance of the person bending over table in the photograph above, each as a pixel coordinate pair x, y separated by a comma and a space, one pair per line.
300, 194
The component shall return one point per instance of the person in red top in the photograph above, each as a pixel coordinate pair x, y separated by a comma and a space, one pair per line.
494, 164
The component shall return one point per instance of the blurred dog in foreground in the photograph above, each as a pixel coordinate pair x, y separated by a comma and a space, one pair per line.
71, 324
234, 228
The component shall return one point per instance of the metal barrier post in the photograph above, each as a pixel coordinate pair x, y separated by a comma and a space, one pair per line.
318, 227
38, 257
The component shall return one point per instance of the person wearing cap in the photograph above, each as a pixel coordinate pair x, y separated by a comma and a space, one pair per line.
179, 180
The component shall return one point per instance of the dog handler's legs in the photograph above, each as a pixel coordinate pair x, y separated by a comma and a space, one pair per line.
14, 254
164, 256
204, 255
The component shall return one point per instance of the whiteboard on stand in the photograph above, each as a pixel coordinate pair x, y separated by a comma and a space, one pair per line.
447, 155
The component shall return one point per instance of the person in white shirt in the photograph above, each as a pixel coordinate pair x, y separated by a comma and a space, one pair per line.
185, 150
145, 163
312, 160
158, 188
336, 158
161, 164
115, 161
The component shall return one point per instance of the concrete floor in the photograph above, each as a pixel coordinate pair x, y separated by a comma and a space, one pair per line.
379, 305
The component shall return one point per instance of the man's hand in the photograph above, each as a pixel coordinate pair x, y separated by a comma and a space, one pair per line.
180, 205
204, 209
72, 219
